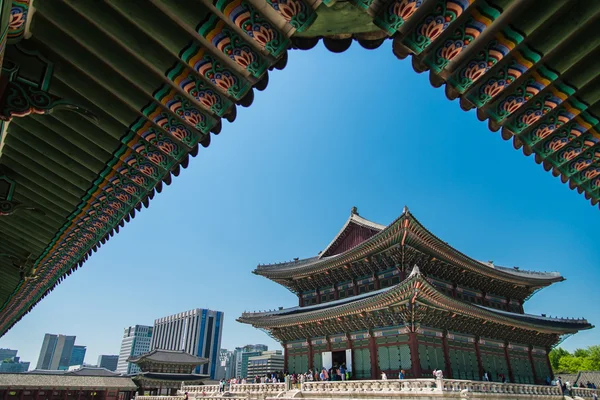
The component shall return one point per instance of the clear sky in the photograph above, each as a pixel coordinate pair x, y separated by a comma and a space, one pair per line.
331, 131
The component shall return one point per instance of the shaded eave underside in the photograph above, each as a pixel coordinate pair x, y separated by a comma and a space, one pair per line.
417, 289
563, 34
406, 230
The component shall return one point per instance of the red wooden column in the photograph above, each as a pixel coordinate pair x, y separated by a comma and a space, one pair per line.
413, 344
548, 362
373, 351
354, 287
535, 380
447, 365
5, 395
310, 355
511, 377
479, 361
377, 283
300, 300
318, 296
285, 357
336, 292
454, 295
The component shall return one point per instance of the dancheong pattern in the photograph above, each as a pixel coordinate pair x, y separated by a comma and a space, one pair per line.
494, 55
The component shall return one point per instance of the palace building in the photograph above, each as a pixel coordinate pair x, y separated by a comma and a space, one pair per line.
390, 298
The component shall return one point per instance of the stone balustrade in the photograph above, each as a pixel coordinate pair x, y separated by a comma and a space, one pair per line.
159, 397
455, 385
405, 385
257, 388
582, 392
196, 389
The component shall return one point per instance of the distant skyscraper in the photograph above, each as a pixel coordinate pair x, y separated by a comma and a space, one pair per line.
226, 368
197, 332
241, 357
137, 340
265, 364
108, 361
13, 365
56, 352
6, 354
77, 355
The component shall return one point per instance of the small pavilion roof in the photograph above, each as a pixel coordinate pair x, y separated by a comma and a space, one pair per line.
405, 230
169, 357
169, 377
414, 288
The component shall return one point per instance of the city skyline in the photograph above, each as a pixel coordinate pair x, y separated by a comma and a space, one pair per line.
251, 198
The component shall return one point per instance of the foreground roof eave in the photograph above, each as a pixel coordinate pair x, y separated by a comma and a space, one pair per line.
399, 233
398, 295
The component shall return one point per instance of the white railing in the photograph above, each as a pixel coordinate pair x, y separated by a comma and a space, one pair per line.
198, 389
395, 385
454, 385
582, 392
142, 397
257, 388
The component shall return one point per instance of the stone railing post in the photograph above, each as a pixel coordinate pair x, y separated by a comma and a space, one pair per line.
439, 384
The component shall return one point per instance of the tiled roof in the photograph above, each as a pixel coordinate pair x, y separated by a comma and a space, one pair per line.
65, 381
169, 356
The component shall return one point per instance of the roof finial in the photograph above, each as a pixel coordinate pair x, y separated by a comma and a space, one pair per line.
354, 211
415, 271
405, 210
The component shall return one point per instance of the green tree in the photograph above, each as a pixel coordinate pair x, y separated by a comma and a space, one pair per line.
555, 356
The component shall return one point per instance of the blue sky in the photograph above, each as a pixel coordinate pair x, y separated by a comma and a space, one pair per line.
331, 131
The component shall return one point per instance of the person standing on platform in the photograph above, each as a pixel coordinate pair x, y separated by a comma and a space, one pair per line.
383, 376
401, 375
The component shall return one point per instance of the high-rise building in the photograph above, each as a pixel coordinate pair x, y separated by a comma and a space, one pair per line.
226, 367
137, 340
13, 365
56, 352
108, 361
265, 364
6, 354
77, 355
241, 357
197, 332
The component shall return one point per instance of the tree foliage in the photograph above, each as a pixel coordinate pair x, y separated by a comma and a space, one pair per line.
580, 360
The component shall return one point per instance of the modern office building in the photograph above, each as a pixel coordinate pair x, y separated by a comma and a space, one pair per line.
197, 332
226, 367
136, 341
6, 354
77, 355
108, 361
241, 357
56, 352
13, 365
265, 364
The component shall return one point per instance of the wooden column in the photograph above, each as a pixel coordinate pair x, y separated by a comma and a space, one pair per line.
300, 300
336, 292
535, 380
354, 287
521, 309
377, 283
454, 295
310, 355
402, 275
285, 357
413, 344
549, 364
318, 296
5, 395
328, 345
373, 351
511, 377
447, 364
479, 361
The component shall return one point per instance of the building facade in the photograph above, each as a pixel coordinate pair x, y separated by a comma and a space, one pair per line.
241, 357
389, 298
56, 352
197, 332
265, 364
7, 354
108, 361
13, 365
136, 341
226, 368
77, 355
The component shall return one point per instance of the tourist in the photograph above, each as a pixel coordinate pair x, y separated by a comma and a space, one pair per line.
342, 372
383, 376
594, 396
185, 397
401, 375
486, 377
222, 385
